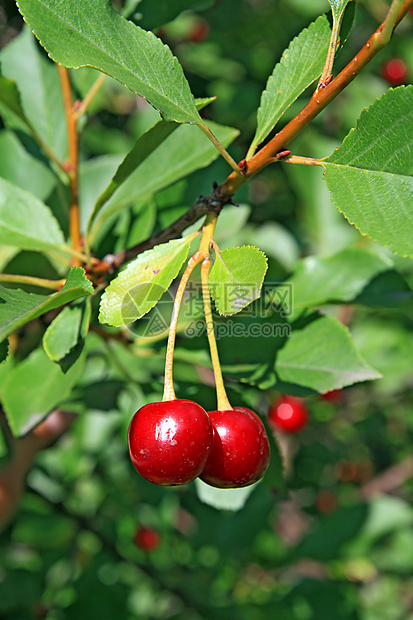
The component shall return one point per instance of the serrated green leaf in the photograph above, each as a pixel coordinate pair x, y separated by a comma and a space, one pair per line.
300, 65
340, 277
18, 307
34, 388
39, 88
236, 278
63, 333
94, 34
27, 223
370, 176
337, 7
140, 286
183, 152
322, 356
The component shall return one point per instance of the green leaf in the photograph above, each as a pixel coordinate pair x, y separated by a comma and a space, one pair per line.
300, 65
183, 152
10, 99
26, 222
156, 14
236, 278
140, 286
337, 7
322, 356
223, 499
23, 170
18, 307
340, 277
144, 146
63, 333
34, 388
95, 35
40, 90
370, 176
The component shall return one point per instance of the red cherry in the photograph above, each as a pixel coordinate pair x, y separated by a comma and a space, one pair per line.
240, 450
395, 71
288, 414
146, 538
169, 442
199, 32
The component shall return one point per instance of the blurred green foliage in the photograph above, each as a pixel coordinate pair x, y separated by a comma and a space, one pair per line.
330, 547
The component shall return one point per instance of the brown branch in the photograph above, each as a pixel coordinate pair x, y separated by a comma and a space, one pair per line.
317, 103
199, 209
73, 165
223, 193
390, 480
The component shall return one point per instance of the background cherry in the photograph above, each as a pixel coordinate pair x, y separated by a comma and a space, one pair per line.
395, 71
240, 450
169, 441
288, 414
146, 538
334, 396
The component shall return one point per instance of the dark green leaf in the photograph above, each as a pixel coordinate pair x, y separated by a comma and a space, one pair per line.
322, 356
18, 307
96, 35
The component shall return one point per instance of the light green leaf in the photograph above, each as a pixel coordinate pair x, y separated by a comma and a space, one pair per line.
40, 90
322, 356
340, 277
183, 152
18, 307
63, 333
370, 176
337, 7
236, 278
34, 388
22, 169
94, 34
300, 65
140, 286
26, 222
223, 499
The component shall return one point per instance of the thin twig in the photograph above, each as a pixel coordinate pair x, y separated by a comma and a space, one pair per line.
73, 169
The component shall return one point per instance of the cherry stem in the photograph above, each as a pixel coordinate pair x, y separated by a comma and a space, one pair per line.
220, 148
169, 392
88, 98
51, 284
223, 403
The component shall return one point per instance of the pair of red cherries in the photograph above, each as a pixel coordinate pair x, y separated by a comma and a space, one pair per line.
173, 442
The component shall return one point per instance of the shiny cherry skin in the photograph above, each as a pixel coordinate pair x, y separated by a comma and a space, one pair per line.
240, 450
169, 442
146, 538
288, 414
395, 71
